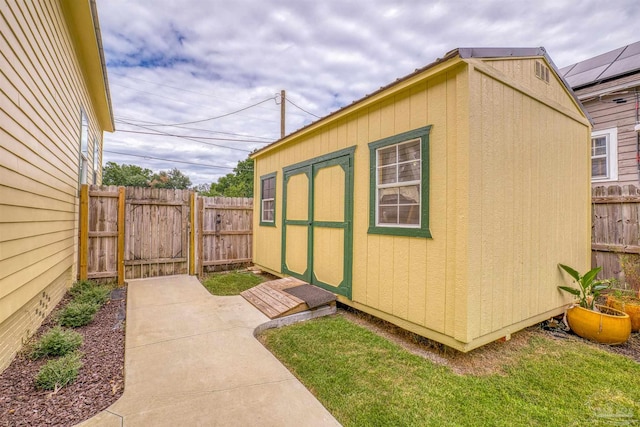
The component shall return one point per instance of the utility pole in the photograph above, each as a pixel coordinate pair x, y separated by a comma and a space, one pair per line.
282, 100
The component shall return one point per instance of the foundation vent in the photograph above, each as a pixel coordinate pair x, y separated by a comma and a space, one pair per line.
542, 71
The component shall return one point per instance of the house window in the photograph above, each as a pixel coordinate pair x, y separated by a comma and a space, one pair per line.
96, 163
84, 148
267, 199
604, 155
399, 190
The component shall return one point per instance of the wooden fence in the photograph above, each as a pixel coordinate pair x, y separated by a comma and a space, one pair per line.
615, 227
163, 232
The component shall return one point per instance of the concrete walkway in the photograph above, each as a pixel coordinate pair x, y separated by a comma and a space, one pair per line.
191, 360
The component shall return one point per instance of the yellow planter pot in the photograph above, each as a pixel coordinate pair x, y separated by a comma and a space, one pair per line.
609, 326
629, 307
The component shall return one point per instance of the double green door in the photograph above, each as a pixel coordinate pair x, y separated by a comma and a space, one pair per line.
317, 221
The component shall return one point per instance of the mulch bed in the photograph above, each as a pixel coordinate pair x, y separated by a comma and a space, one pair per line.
100, 381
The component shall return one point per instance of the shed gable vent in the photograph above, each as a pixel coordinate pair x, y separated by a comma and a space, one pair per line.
542, 71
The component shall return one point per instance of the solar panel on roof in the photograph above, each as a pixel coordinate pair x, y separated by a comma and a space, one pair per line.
617, 62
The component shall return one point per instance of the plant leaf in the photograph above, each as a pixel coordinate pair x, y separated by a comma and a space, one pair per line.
571, 272
572, 291
599, 287
590, 275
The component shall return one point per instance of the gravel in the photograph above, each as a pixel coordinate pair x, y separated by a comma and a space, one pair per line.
100, 381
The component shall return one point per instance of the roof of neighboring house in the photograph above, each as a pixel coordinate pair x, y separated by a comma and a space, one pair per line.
607, 66
463, 53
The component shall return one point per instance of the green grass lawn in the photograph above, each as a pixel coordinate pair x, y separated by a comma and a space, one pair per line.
366, 380
231, 283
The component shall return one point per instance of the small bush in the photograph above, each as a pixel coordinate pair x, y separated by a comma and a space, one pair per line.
57, 373
77, 314
57, 342
96, 295
80, 287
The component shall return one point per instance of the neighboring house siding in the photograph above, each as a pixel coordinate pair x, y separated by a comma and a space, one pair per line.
42, 92
607, 114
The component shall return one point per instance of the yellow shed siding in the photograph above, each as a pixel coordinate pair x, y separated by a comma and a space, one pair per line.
42, 91
528, 211
523, 71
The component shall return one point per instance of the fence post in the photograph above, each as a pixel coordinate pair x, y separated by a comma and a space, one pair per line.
121, 225
201, 202
192, 237
84, 232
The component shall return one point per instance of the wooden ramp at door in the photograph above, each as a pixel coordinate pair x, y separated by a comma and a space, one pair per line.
283, 297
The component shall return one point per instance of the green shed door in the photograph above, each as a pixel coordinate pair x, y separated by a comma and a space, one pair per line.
317, 234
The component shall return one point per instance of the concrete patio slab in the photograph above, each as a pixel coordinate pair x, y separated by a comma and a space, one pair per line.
191, 359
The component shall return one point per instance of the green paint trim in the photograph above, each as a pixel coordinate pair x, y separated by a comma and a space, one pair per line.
275, 198
288, 173
422, 231
344, 152
343, 158
330, 224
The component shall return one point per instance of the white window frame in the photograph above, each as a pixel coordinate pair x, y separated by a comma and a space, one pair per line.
96, 155
84, 148
398, 184
611, 135
263, 208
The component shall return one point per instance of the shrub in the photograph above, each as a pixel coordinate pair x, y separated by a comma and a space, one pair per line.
96, 295
57, 373
57, 342
77, 314
81, 286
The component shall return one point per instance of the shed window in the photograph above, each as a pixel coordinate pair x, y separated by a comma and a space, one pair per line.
267, 199
399, 184
604, 155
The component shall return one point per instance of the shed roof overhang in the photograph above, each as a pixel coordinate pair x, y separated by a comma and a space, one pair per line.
448, 61
81, 17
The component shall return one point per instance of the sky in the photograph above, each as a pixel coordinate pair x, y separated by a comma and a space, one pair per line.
195, 84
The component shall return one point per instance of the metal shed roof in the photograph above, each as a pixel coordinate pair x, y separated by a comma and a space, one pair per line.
618, 62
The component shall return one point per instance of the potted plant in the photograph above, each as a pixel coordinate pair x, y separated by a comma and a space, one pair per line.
591, 321
628, 300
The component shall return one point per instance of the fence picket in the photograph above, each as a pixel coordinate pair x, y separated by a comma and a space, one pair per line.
154, 239
615, 230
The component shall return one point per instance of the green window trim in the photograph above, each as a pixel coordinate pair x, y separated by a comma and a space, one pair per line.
397, 230
263, 178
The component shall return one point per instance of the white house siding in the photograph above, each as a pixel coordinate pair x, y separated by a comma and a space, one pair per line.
42, 91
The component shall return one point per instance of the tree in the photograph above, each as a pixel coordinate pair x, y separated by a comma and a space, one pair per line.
203, 189
126, 175
236, 184
173, 179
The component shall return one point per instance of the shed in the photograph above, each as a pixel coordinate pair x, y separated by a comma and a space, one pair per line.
442, 202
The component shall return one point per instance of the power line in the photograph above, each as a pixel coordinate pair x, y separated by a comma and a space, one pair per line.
300, 108
188, 103
197, 137
124, 119
172, 87
170, 160
160, 133
221, 116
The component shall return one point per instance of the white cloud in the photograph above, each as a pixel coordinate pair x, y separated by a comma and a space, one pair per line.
172, 62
